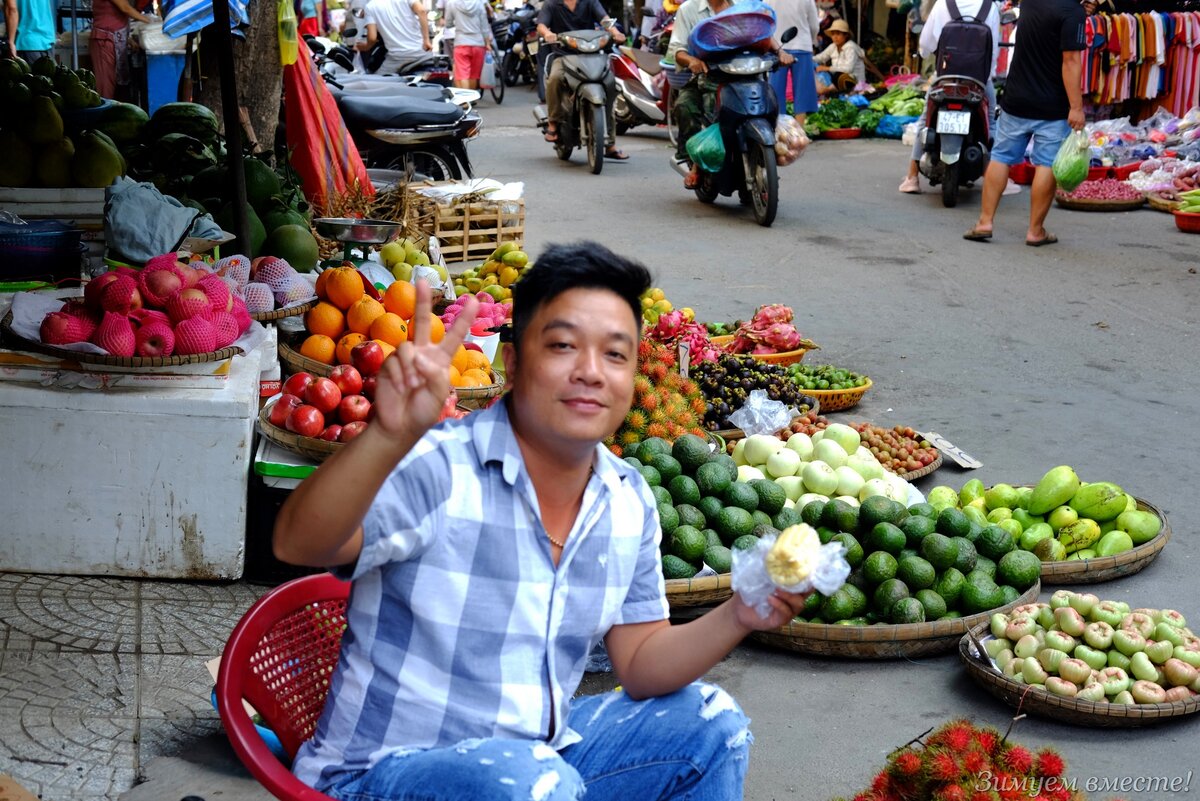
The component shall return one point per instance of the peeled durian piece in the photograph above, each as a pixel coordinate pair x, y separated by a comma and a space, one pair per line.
794, 555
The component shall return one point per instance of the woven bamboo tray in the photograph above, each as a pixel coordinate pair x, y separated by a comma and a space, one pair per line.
785, 357
478, 397
1107, 568
889, 641
113, 363
836, 400
1083, 204
913, 475
731, 434
309, 447
1039, 701
279, 314
1159, 203
699, 591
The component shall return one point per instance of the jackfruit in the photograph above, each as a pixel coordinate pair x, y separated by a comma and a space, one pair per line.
43, 124
97, 163
54, 163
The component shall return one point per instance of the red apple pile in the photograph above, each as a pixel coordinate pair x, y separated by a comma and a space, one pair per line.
334, 409
167, 308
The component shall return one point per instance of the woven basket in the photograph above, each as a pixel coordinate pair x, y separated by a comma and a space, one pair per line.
1159, 203
1038, 701
477, 397
1085, 204
913, 475
279, 314
309, 447
784, 357
1107, 568
889, 641
836, 400
731, 434
113, 363
699, 591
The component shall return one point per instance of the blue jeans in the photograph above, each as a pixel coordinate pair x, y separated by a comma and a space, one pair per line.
691, 745
804, 85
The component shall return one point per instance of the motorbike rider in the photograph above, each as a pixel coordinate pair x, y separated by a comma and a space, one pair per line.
559, 16
939, 15
695, 102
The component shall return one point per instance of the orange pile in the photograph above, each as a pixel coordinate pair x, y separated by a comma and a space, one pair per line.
346, 316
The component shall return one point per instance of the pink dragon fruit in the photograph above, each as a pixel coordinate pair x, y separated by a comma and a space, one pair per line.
773, 313
782, 337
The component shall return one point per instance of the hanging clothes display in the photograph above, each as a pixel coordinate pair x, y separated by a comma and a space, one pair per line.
1151, 55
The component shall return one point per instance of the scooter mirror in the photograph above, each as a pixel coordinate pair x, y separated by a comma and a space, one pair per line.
789, 35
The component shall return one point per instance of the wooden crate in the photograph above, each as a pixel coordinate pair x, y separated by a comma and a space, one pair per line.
470, 228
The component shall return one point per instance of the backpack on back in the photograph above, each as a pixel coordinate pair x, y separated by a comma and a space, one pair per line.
965, 44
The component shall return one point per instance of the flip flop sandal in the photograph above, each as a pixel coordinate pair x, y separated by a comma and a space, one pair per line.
550, 136
616, 155
977, 236
691, 181
1048, 239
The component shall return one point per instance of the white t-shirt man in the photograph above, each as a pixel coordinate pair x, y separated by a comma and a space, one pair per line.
799, 13
397, 23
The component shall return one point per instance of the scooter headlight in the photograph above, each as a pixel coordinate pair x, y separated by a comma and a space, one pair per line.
586, 45
746, 65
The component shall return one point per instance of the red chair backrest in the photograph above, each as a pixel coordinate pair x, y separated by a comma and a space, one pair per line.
280, 658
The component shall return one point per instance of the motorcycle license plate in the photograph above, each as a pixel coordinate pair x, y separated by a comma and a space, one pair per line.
954, 122
532, 47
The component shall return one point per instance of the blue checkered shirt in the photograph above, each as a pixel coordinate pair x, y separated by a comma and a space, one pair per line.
459, 624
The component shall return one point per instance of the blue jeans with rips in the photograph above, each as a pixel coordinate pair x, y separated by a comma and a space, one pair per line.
691, 745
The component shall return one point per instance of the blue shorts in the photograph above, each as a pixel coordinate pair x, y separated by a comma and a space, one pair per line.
1013, 135
804, 86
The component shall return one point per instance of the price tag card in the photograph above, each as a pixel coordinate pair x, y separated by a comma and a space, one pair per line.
685, 359
956, 453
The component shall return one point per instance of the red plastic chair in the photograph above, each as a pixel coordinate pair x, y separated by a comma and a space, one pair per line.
279, 659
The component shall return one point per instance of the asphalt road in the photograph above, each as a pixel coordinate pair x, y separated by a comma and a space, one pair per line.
1080, 353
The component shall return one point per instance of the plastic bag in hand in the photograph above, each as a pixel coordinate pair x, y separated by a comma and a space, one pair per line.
754, 580
1072, 162
707, 149
790, 140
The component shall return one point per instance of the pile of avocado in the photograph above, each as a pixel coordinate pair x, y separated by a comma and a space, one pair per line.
915, 565
704, 511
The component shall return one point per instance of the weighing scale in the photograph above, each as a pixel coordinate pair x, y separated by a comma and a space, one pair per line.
352, 232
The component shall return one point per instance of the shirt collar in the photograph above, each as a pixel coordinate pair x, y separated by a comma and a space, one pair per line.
496, 442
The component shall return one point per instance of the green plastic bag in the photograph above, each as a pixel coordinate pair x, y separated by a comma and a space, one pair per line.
1072, 162
707, 149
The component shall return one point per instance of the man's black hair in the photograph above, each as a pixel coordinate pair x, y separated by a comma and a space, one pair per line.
581, 265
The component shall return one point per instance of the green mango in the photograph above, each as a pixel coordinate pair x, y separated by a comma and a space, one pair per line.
1113, 543
970, 491
1101, 501
1054, 489
1140, 526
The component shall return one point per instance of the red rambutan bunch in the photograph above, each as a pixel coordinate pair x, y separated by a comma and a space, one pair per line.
989, 740
951, 792
955, 735
975, 761
942, 766
1049, 764
1016, 759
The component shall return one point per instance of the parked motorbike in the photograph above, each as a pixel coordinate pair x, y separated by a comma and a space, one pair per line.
746, 109
413, 128
957, 134
588, 83
643, 93
517, 40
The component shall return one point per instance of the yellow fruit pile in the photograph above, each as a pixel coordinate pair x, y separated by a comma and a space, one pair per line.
497, 275
402, 255
470, 368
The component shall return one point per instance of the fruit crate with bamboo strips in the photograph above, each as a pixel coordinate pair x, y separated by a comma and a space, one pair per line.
468, 227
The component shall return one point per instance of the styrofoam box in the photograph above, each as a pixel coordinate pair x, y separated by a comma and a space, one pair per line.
143, 484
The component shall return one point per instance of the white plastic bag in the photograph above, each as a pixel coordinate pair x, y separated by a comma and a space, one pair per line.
487, 78
751, 581
761, 415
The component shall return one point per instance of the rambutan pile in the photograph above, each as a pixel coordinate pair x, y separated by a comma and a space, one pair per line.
664, 402
962, 762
